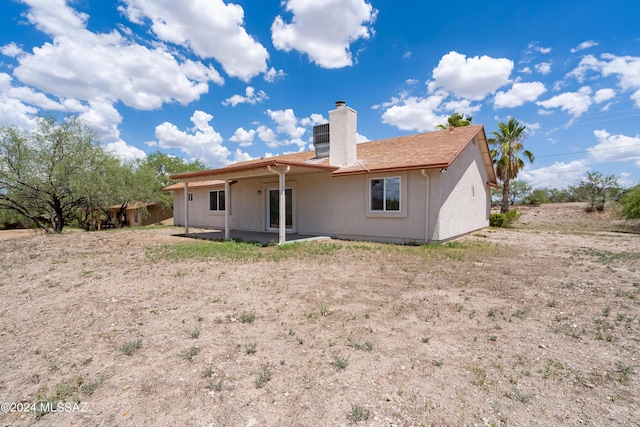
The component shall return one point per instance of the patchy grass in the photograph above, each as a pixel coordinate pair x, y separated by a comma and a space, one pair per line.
131, 347
203, 250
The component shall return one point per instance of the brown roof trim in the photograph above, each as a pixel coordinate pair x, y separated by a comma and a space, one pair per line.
392, 169
251, 166
179, 186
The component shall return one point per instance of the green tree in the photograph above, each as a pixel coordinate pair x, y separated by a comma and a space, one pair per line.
44, 174
59, 173
118, 184
598, 188
456, 120
165, 165
507, 147
519, 190
631, 203
536, 197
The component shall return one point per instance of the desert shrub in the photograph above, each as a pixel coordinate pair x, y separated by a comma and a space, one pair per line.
505, 219
510, 216
631, 203
536, 197
496, 219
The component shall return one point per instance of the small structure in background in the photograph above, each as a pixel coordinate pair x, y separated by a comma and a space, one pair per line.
137, 214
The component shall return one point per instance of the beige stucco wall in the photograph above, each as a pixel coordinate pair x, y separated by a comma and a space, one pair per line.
199, 215
339, 206
464, 196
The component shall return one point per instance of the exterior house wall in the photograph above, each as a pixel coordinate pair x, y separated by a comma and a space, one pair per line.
339, 206
322, 205
464, 196
199, 215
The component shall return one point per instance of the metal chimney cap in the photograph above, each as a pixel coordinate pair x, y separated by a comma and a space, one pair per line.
340, 104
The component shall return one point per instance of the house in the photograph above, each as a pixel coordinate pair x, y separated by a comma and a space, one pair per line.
139, 213
428, 187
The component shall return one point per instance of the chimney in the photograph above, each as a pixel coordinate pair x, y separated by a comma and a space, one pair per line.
342, 135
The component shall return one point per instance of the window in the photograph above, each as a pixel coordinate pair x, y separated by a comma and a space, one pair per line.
190, 197
385, 194
216, 200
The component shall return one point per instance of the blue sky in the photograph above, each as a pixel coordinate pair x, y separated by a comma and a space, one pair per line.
223, 82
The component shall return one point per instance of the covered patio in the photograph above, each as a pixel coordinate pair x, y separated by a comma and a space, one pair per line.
261, 237
298, 164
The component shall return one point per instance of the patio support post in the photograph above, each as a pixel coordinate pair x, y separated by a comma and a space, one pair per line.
226, 209
282, 221
186, 208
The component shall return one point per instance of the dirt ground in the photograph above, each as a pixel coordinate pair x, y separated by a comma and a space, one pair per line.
534, 325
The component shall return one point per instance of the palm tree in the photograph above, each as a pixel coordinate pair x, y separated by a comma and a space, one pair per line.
505, 152
456, 120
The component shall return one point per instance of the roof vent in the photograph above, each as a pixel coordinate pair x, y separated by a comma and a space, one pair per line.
321, 140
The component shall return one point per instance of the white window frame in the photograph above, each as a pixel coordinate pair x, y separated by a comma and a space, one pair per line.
384, 195
404, 195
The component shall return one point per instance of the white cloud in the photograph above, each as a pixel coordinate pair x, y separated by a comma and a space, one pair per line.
202, 142
519, 94
104, 119
272, 75
241, 156
575, 103
603, 95
324, 29
125, 151
472, 78
287, 123
557, 175
584, 45
37, 99
361, 138
625, 68
243, 137
211, 29
533, 47
55, 18
5, 81
588, 63
139, 77
462, 106
15, 113
532, 128
72, 69
289, 130
543, 68
11, 49
614, 147
251, 97
313, 120
414, 114
268, 136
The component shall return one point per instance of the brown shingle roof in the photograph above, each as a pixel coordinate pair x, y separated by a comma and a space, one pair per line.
420, 151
